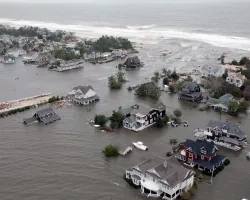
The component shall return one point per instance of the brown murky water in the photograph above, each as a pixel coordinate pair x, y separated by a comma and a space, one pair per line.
64, 161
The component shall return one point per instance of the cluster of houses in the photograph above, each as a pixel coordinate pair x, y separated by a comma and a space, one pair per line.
169, 178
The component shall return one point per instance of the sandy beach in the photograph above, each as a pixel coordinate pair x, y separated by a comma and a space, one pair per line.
20, 103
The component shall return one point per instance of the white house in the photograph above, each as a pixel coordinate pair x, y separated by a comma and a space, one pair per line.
161, 178
142, 117
236, 78
211, 70
83, 95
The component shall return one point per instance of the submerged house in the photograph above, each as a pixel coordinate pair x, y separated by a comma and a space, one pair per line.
83, 95
9, 59
45, 116
236, 79
221, 103
142, 117
161, 178
133, 62
220, 129
190, 91
201, 154
211, 70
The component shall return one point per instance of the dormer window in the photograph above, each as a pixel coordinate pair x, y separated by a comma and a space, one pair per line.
203, 150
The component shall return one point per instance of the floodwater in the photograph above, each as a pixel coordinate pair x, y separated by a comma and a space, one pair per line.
64, 160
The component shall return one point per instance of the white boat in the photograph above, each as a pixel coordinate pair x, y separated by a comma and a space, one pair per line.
96, 125
140, 145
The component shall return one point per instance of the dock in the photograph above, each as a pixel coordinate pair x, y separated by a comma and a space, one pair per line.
22, 103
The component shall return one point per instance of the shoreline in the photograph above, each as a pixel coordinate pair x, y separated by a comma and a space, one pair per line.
24, 102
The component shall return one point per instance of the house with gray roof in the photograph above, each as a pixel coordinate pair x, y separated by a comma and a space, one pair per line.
133, 62
220, 129
142, 117
9, 59
221, 103
161, 178
211, 70
45, 116
83, 95
190, 91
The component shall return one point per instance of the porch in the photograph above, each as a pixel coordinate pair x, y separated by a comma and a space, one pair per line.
150, 188
209, 166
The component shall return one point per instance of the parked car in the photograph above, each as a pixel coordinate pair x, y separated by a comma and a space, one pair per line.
185, 124
174, 124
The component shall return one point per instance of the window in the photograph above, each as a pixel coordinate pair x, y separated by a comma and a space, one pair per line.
202, 157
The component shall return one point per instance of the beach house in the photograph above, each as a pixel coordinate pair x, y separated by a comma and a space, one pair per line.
83, 95
161, 178
236, 79
221, 103
190, 91
142, 117
45, 116
201, 154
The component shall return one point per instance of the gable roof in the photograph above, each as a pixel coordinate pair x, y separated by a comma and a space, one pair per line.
148, 164
199, 145
44, 111
223, 101
160, 106
150, 86
169, 172
231, 128
213, 68
84, 89
189, 86
142, 110
133, 60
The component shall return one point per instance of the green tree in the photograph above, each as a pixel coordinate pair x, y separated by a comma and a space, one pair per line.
100, 120
233, 108
243, 61
159, 123
116, 120
165, 81
243, 106
171, 88
177, 113
110, 151
234, 62
174, 75
120, 77
165, 119
113, 83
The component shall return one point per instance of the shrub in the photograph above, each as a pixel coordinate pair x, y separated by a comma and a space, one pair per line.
130, 88
116, 120
173, 141
234, 62
110, 151
165, 81
53, 99
220, 168
159, 122
185, 196
171, 88
177, 113
100, 120
168, 154
226, 162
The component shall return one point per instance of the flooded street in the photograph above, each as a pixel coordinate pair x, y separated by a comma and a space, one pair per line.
64, 160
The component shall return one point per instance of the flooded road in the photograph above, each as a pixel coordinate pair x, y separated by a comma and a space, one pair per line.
64, 161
